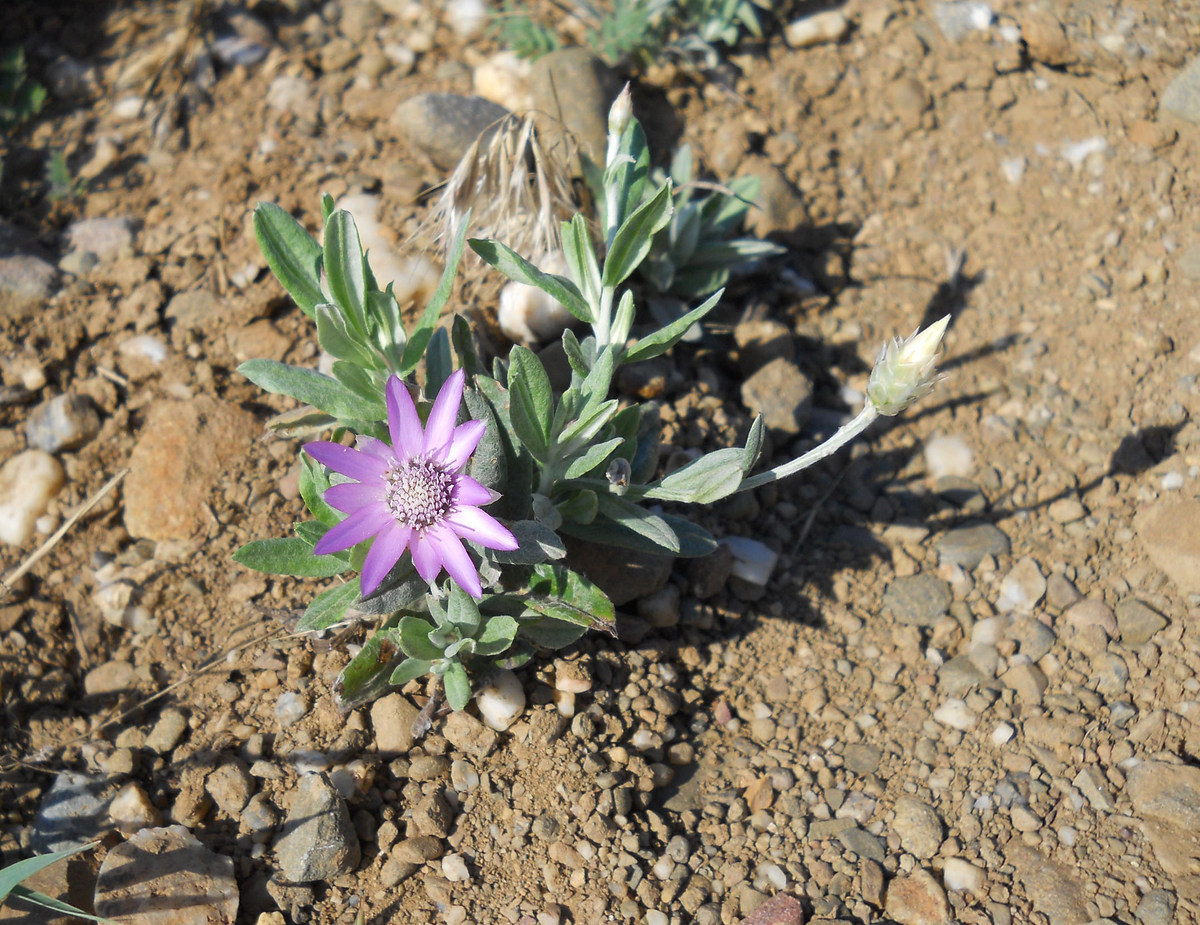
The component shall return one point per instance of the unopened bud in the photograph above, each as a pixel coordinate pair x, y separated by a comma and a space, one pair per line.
620, 113
906, 369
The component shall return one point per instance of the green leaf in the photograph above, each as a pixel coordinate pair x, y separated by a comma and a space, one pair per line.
754, 444
368, 675
457, 686
292, 253
627, 175
623, 523
328, 608
314, 482
35, 898
517, 268
498, 634
414, 639
581, 507
531, 400
327, 206
402, 589
313, 388
585, 427
410, 669
665, 338
580, 359
552, 634
462, 611
439, 364
336, 340
635, 237
311, 531
536, 543
561, 594
419, 339
289, 556
711, 477
12, 876
595, 455
344, 268
518, 484
581, 257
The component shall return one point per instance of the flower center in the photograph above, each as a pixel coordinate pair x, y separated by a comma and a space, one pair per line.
419, 493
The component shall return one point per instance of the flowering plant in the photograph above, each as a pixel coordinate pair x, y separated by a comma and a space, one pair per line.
405, 504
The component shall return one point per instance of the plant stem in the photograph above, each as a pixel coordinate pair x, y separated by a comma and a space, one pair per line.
844, 435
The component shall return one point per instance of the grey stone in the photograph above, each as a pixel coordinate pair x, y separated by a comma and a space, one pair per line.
1054, 888
919, 827
781, 208
167, 731
1109, 675
862, 843
707, 575
918, 600
26, 283
1035, 637
959, 675
318, 840
1138, 622
104, 237
862, 759
445, 125
967, 546
65, 422
1182, 96
782, 394
1156, 908
166, 875
572, 91
73, 811
195, 310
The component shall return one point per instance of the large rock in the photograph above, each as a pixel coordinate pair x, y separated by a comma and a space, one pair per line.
318, 840
445, 125
1170, 534
181, 457
572, 92
166, 877
1166, 797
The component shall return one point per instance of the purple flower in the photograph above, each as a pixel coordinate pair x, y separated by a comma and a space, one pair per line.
413, 495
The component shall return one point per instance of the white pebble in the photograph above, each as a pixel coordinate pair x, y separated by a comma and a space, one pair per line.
753, 561
1002, 734
131, 810
501, 701
403, 58
828, 26
1067, 835
289, 708
962, 875
454, 868
1013, 169
112, 600
654, 917
309, 760
28, 482
504, 78
774, 875
467, 17
1172, 481
1022, 587
463, 777
129, 107
144, 346
1075, 153
948, 455
955, 714
528, 316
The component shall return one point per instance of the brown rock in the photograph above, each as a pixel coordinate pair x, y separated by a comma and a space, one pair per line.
1169, 534
1046, 39
166, 877
917, 899
179, 460
469, 735
392, 718
780, 909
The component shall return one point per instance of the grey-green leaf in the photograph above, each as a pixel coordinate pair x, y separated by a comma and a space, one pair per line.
288, 556
457, 685
665, 338
517, 268
313, 388
635, 237
328, 608
291, 253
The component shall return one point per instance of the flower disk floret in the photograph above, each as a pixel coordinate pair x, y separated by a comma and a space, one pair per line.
413, 496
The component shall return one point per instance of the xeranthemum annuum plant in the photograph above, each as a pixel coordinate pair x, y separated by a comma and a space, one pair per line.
451, 590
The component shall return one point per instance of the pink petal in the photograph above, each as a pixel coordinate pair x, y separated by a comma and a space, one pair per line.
376, 448
439, 428
454, 557
361, 525
346, 460
482, 528
471, 492
350, 496
384, 553
426, 558
462, 444
404, 424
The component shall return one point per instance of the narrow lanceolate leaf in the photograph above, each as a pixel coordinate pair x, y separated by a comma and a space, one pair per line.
429, 317
711, 477
517, 268
594, 456
328, 608
344, 268
12, 875
581, 257
291, 253
336, 340
635, 237
457, 686
313, 388
33, 897
561, 594
531, 401
664, 339
289, 556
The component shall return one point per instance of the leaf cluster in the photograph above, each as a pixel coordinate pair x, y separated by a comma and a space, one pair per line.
13, 876
20, 98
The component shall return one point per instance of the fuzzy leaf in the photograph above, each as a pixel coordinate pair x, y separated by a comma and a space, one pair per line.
635, 237
421, 334
561, 594
314, 482
457, 686
414, 639
328, 608
537, 543
410, 669
581, 257
517, 268
312, 388
498, 634
344, 268
594, 456
532, 401
289, 556
665, 338
291, 253
369, 674
710, 478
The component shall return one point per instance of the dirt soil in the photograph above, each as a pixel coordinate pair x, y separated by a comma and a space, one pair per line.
913, 722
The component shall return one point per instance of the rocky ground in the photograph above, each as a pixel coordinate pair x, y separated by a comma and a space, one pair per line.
968, 691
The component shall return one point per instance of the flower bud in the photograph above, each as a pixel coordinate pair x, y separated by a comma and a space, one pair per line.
906, 369
620, 113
